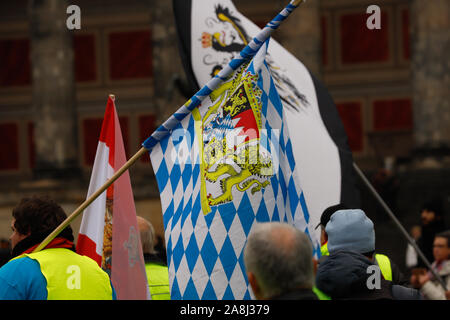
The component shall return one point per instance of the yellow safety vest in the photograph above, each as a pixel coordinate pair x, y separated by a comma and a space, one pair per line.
320, 294
383, 262
324, 250
71, 276
158, 281
385, 266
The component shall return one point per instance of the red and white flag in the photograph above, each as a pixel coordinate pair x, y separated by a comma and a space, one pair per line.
109, 233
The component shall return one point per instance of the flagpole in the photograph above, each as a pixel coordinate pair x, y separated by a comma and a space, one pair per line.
91, 199
245, 55
397, 223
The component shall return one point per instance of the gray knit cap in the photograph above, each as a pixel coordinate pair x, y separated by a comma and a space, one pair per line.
350, 230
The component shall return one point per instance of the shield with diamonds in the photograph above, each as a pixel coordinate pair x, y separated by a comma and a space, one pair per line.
233, 158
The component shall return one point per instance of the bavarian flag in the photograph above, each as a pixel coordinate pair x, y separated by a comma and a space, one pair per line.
211, 33
225, 166
108, 232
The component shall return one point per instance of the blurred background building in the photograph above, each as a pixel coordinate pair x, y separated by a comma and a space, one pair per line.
391, 88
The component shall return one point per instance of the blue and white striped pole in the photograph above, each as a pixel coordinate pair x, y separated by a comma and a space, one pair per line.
245, 55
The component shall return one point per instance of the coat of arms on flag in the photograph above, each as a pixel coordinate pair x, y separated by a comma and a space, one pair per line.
232, 155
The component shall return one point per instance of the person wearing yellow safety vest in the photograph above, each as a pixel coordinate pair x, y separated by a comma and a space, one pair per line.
55, 273
156, 269
389, 270
347, 272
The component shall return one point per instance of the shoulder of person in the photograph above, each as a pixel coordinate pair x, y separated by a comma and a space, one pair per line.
19, 265
22, 279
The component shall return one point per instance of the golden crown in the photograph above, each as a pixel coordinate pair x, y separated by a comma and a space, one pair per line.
206, 40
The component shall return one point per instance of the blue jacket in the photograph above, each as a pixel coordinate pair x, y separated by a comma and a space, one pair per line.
22, 279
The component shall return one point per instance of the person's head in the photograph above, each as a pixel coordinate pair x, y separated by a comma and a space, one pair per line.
416, 232
431, 211
325, 217
37, 217
278, 258
147, 235
351, 230
441, 246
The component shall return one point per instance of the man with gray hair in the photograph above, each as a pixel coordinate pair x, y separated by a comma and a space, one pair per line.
279, 262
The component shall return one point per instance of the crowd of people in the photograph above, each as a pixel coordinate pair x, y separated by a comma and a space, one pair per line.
350, 267
278, 259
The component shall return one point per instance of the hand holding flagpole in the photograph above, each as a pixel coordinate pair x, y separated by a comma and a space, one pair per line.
245, 55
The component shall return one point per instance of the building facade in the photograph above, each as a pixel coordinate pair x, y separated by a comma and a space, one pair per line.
390, 84
120, 49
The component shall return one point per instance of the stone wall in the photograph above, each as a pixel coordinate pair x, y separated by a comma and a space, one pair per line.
430, 65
